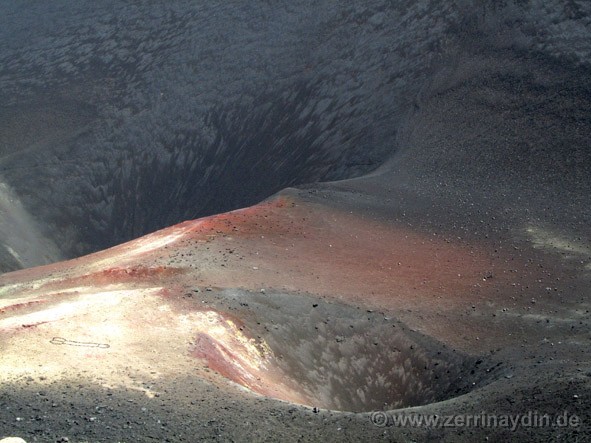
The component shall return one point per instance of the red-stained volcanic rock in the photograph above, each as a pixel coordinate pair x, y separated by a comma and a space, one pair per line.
291, 299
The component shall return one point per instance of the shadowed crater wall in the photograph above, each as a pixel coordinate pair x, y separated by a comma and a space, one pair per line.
333, 356
118, 118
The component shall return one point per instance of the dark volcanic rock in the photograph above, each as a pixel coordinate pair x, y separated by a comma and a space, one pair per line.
119, 118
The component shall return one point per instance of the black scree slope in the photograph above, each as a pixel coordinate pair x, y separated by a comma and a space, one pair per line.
118, 118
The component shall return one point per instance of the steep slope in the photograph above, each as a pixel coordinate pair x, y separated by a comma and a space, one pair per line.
120, 119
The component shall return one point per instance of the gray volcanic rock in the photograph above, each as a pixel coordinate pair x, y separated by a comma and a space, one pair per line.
118, 119
426, 246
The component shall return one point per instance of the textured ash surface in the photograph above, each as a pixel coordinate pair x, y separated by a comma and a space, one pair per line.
119, 119
442, 155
